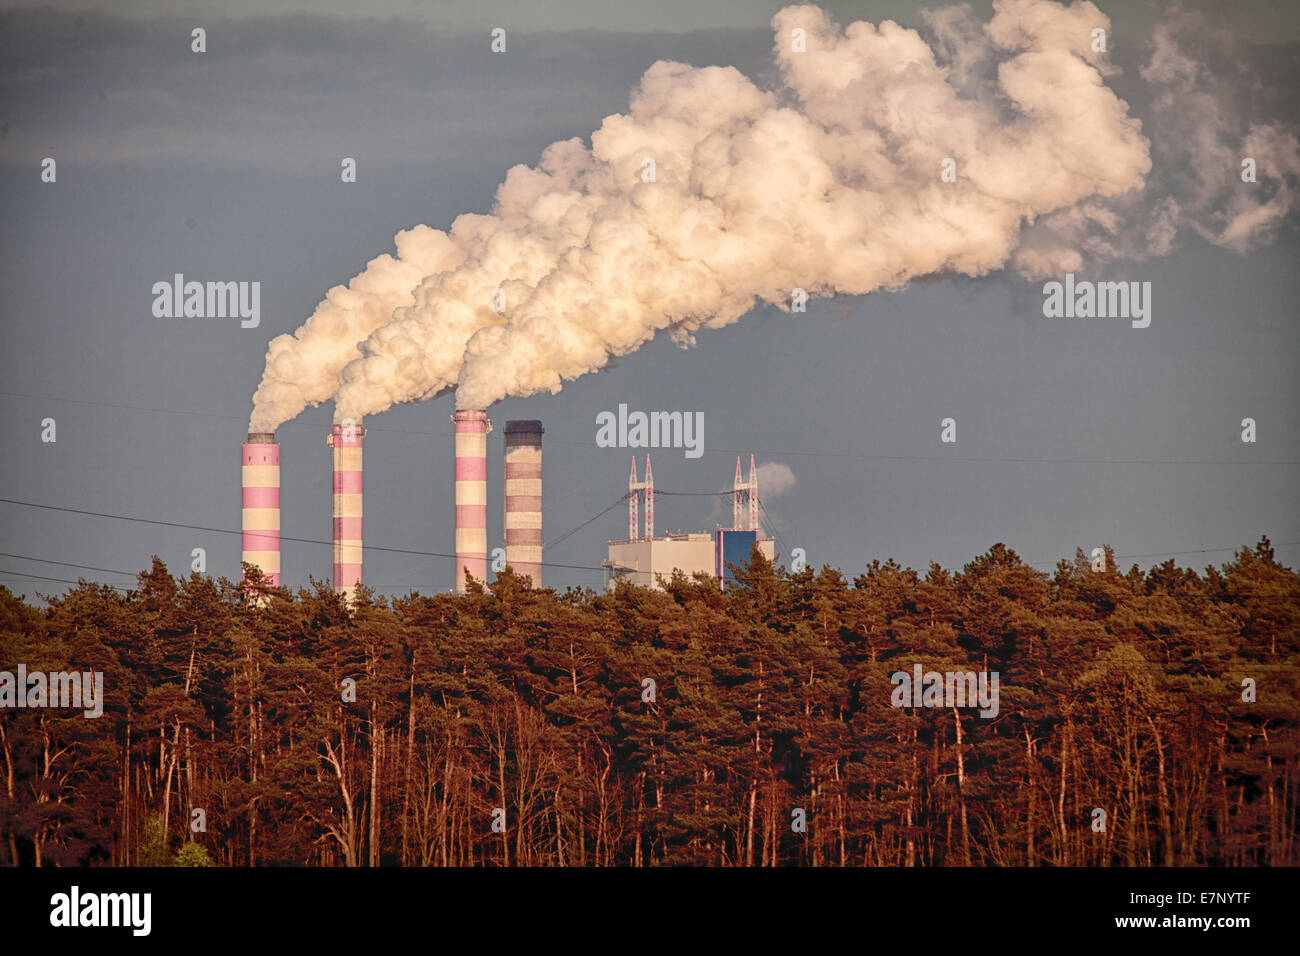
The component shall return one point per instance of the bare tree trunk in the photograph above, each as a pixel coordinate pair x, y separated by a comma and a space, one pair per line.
582, 814
1030, 790
501, 788
843, 816
1162, 795
176, 749
9, 788
640, 816
252, 760
189, 783
167, 784
1060, 800
1271, 855
406, 779
124, 858
749, 828
376, 744
911, 803
347, 836
961, 789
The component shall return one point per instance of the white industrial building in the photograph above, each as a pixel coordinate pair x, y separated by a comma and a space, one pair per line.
643, 558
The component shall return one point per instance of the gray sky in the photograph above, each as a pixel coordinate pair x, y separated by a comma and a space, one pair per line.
1260, 20
226, 167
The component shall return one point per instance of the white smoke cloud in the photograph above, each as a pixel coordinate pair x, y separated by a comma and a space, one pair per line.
1203, 93
774, 479
831, 186
539, 216
302, 369
1201, 109
830, 183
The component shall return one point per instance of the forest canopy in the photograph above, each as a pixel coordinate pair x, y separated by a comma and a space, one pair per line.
1145, 718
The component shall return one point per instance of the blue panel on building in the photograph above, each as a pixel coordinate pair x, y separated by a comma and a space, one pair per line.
733, 547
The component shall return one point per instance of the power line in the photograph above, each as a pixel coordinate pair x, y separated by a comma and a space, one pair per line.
771, 523
622, 498
441, 554
195, 527
41, 577
1163, 554
84, 567
566, 535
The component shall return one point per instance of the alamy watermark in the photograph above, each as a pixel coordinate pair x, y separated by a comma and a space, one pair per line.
946, 689
77, 689
75, 909
1085, 299
653, 430
208, 300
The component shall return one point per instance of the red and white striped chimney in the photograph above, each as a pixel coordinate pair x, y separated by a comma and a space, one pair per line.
260, 479
472, 429
346, 441
523, 517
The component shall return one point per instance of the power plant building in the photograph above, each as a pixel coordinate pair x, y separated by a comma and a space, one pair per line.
644, 557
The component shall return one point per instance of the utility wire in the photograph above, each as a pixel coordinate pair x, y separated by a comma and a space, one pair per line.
64, 564
622, 498
1165, 554
440, 554
195, 527
41, 577
771, 524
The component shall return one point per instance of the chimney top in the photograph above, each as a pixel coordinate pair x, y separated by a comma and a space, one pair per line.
525, 428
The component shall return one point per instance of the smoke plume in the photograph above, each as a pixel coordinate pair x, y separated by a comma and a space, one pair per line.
711, 195
774, 479
303, 369
1204, 89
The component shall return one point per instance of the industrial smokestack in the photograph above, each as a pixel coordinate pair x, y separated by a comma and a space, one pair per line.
523, 517
346, 442
472, 429
261, 493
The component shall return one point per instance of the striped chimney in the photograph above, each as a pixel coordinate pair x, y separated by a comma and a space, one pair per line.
472, 429
261, 492
346, 442
523, 518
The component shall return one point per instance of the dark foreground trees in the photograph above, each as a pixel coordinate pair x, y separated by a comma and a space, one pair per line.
686, 726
